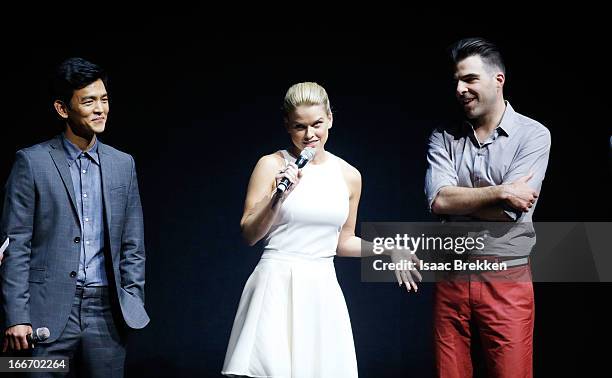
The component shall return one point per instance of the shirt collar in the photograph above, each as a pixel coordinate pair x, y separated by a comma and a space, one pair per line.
73, 152
506, 125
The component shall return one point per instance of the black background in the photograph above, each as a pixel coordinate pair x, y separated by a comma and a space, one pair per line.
198, 105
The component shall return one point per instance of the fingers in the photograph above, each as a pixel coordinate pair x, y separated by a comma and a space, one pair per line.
410, 283
16, 338
412, 274
417, 263
525, 193
398, 277
23, 342
527, 204
406, 279
18, 343
414, 286
525, 178
291, 172
523, 201
291, 176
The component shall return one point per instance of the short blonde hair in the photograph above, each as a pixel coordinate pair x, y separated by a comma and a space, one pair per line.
307, 93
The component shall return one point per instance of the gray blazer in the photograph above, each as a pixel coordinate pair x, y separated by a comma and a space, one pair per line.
42, 223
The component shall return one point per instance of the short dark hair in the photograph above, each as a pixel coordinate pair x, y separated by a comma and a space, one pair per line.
73, 74
487, 51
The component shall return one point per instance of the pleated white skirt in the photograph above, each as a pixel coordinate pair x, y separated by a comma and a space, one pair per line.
292, 322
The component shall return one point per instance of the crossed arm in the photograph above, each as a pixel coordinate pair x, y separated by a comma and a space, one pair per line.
507, 201
486, 203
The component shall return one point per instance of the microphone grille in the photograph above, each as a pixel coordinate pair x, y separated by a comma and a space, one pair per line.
43, 333
308, 153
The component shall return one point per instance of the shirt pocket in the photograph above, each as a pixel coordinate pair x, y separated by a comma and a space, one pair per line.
118, 195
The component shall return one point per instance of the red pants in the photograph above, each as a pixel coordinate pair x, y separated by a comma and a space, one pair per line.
503, 312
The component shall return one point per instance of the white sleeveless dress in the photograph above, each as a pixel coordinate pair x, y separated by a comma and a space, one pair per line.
292, 320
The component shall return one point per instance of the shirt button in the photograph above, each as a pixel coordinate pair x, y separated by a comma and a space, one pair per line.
87, 242
86, 219
73, 274
84, 171
84, 195
77, 240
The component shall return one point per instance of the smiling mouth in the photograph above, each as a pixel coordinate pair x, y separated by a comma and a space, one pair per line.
311, 142
98, 119
466, 101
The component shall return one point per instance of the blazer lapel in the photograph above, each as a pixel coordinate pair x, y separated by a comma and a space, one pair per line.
59, 159
106, 166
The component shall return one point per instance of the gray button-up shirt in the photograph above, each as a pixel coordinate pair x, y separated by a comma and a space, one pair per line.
87, 182
517, 147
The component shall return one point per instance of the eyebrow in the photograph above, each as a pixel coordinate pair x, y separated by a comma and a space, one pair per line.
93, 97
317, 121
470, 76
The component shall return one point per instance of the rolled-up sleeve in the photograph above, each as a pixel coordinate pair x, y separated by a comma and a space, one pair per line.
531, 158
440, 168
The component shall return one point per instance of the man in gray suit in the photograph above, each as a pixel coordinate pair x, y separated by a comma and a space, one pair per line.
75, 262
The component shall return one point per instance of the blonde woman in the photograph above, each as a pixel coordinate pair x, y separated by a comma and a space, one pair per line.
292, 319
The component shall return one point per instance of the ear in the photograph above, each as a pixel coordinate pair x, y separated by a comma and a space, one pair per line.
331, 120
61, 108
500, 79
286, 124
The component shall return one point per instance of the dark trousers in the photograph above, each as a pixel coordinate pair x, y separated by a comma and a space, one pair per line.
91, 339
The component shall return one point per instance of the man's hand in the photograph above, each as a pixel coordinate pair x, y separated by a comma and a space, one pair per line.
519, 195
409, 277
15, 337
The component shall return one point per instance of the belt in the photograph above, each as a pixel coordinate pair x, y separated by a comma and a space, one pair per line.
91, 291
510, 262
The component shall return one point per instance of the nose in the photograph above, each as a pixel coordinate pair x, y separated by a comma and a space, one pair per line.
99, 108
310, 132
461, 88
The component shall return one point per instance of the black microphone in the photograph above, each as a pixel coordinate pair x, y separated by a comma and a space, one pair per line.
41, 334
307, 155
